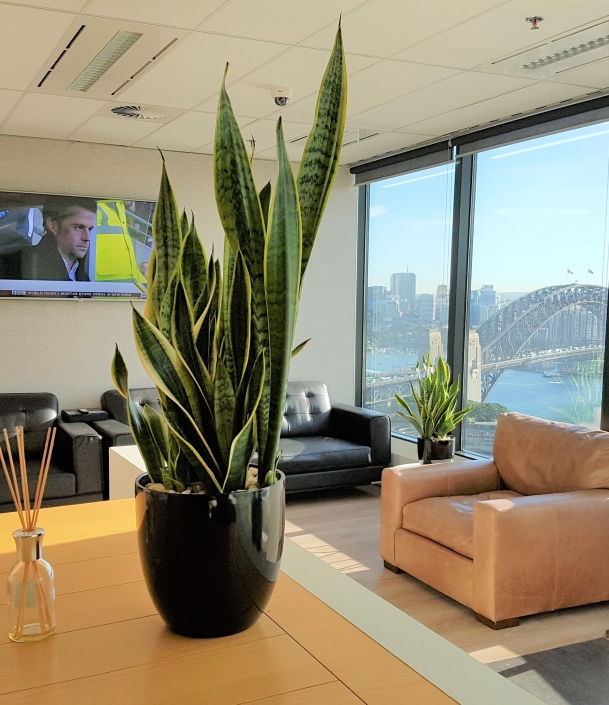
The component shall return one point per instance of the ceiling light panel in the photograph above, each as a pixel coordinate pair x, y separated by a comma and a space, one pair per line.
98, 57
556, 56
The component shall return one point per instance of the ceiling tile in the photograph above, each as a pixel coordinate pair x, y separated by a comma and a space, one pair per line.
386, 80
193, 71
113, 131
69, 5
594, 74
383, 27
186, 133
52, 116
502, 31
177, 13
380, 144
277, 20
301, 69
450, 94
504, 106
28, 37
8, 99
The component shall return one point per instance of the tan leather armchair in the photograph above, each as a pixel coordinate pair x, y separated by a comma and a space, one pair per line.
524, 533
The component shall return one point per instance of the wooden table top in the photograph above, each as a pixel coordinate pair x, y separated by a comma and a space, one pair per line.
112, 647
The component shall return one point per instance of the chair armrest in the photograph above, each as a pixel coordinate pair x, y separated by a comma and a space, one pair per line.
113, 433
366, 427
408, 483
540, 553
78, 448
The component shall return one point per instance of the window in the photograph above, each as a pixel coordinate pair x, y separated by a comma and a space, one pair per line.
538, 296
409, 245
528, 296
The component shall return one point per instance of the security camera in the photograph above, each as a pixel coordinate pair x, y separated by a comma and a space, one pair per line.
281, 95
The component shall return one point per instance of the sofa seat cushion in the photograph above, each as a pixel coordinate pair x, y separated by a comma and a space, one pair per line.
59, 482
315, 453
449, 520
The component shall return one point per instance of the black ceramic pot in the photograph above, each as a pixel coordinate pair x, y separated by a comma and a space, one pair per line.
432, 450
210, 562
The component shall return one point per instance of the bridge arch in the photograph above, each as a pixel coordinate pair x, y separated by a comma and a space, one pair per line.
506, 333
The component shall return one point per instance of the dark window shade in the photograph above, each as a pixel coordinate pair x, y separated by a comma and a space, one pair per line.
403, 163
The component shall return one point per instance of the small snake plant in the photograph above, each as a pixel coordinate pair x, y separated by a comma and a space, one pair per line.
217, 339
436, 414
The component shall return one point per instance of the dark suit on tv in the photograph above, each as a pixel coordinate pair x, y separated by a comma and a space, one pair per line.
43, 261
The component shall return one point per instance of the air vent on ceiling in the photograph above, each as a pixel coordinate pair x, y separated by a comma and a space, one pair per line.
141, 112
108, 56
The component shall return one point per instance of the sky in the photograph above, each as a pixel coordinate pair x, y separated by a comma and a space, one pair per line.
541, 209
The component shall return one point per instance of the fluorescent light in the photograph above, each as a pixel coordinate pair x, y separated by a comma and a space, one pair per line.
566, 53
107, 57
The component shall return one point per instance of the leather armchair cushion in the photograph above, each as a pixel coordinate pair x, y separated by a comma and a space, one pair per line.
307, 410
314, 453
116, 405
59, 482
535, 456
449, 520
36, 412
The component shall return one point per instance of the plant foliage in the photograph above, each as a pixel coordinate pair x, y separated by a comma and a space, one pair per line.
217, 339
435, 414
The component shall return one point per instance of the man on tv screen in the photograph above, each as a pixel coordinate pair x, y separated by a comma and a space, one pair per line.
61, 255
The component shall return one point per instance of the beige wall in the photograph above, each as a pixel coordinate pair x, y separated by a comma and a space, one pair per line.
65, 347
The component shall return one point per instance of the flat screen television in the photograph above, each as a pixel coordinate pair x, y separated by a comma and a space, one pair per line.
74, 247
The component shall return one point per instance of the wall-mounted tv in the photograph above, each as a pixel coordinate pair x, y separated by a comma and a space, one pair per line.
73, 247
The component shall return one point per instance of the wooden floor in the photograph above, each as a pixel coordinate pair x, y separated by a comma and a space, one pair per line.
112, 647
342, 528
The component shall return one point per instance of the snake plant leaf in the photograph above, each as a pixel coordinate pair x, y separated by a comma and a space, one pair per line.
202, 469
164, 366
149, 308
300, 347
193, 265
224, 409
167, 237
239, 322
166, 310
158, 428
265, 201
140, 428
282, 283
184, 227
321, 156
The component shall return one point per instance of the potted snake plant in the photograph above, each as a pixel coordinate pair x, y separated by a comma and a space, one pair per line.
217, 340
435, 414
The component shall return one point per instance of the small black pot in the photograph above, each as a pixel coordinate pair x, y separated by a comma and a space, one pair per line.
432, 450
210, 562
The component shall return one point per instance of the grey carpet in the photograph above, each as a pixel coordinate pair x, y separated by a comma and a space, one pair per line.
570, 675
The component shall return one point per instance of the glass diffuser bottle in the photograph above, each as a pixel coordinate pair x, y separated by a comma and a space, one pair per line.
31, 590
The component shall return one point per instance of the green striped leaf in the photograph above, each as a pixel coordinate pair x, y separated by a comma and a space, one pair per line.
224, 409
239, 317
265, 201
300, 347
193, 265
282, 283
322, 152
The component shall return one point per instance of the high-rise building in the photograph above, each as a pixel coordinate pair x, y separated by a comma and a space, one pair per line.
376, 293
426, 306
488, 296
442, 304
404, 286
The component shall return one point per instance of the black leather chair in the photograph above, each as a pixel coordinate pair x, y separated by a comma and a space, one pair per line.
75, 473
322, 444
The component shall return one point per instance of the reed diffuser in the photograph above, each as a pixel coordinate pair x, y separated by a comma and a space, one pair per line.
31, 583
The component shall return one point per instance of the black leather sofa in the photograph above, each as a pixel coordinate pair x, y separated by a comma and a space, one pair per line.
75, 473
322, 444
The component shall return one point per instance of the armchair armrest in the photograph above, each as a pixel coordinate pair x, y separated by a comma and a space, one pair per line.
540, 553
408, 483
114, 433
78, 448
366, 427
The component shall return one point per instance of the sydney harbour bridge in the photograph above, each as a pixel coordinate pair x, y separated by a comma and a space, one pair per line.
552, 323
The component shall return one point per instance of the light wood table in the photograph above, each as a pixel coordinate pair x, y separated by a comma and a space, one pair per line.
112, 647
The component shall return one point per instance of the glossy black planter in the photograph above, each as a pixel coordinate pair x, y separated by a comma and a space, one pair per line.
435, 451
210, 563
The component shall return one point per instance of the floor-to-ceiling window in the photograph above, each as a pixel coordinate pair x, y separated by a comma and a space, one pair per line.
538, 297
409, 245
536, 236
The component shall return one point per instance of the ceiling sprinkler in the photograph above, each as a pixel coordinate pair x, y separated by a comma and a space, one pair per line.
534, 21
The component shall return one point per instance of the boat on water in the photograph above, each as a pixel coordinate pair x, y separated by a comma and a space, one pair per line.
552, 373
